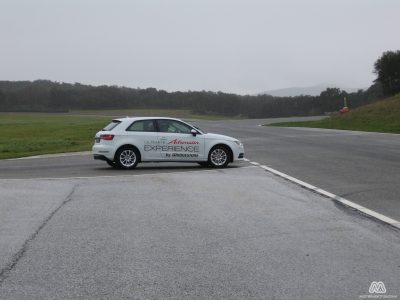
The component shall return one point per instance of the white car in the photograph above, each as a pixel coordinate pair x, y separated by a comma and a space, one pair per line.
127, 141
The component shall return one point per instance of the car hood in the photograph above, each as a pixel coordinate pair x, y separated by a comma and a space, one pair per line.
219, 137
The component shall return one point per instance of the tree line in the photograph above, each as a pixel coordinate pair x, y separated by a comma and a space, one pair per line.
49, 96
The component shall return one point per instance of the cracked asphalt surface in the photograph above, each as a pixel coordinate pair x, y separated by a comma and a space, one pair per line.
178, 231
234, 233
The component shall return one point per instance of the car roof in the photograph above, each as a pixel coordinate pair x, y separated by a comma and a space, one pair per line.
144, 118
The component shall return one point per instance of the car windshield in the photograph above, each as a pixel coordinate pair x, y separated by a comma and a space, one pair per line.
112, 125
198, 128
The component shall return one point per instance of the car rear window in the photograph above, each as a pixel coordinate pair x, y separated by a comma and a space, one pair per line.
112, 125
143, 125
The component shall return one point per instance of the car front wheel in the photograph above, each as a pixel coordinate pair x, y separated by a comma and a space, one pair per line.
218, 157
127, 158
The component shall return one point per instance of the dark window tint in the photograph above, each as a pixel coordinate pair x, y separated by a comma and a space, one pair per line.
143, 125
112, 125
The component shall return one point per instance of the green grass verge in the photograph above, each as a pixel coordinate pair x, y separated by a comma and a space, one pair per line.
381, 116
174, 113
27, 134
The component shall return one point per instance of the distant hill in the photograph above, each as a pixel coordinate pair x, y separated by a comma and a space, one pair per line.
310, 90
380, 116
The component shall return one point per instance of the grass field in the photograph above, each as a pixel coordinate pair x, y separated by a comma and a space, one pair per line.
26, 134
175, 113
381, 116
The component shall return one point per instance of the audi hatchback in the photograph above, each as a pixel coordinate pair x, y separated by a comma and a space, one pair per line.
127, 141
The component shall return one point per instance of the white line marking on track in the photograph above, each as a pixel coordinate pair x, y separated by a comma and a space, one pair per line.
117, 176
333, 197
52, 155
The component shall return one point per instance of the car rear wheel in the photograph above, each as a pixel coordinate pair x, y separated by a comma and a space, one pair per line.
219, 157
127, 158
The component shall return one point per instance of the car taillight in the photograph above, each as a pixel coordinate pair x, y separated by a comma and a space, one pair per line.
107, 137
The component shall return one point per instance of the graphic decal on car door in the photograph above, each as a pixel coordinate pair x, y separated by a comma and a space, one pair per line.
177, 142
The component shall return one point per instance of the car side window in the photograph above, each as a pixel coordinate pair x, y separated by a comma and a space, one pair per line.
172, 126
143, 125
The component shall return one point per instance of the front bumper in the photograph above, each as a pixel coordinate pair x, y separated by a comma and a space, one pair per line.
238, 153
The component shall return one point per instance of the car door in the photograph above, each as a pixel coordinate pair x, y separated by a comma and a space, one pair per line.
143, 134
177, 143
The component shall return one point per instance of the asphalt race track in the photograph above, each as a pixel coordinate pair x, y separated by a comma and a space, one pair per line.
72, 227
363, 167
360, 166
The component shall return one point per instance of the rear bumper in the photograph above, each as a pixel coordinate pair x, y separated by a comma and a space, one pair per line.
103, 152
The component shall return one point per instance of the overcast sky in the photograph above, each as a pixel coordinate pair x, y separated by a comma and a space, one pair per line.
245, 46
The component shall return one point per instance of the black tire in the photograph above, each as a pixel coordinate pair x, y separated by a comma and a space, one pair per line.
219, 157
111, 163
127, 158
204, 164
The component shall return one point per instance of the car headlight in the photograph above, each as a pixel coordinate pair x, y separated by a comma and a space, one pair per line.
239, 143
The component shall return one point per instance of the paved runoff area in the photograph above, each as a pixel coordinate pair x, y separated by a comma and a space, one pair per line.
235, 233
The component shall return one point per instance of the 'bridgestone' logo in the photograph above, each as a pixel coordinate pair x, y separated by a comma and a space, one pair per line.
377, 287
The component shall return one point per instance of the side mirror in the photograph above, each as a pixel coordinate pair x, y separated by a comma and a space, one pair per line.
193, 132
